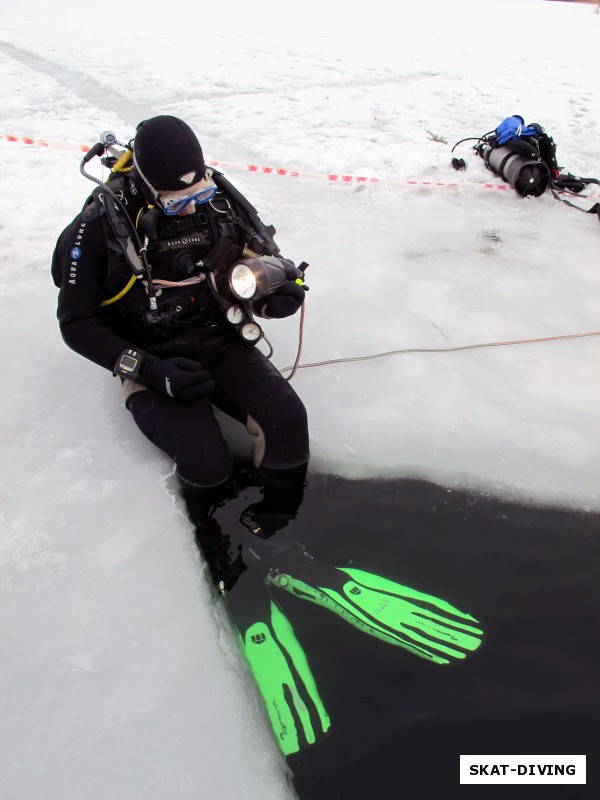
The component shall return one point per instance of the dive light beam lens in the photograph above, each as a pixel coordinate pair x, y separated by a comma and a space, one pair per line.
242, 282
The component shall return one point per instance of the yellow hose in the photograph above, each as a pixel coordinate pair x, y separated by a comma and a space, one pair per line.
121, 294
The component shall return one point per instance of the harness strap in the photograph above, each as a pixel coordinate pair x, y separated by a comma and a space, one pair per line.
595, 209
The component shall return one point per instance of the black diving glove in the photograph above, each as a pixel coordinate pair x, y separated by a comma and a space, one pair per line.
285, 302
179, 378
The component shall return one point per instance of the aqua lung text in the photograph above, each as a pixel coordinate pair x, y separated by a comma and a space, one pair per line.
76, 254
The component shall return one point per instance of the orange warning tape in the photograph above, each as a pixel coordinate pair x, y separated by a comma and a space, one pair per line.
331, 177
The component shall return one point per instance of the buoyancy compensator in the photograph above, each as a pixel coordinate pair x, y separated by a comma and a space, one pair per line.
236, 276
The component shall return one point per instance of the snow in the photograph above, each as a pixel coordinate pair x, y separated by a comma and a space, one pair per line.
120, 675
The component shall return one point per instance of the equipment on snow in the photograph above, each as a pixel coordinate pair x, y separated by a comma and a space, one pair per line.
525, 157
513, 128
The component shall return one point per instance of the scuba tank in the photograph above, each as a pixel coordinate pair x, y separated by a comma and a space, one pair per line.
525, 162
519, 164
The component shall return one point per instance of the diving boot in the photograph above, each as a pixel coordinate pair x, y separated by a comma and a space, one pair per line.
283, 492
224, 561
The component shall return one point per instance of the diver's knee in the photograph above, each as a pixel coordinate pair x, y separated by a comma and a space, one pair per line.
292, 411
202, 473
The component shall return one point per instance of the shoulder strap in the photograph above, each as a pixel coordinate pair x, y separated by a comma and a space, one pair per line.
248, 218
120, 226
595, 209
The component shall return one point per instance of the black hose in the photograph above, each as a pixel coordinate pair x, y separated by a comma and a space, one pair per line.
472, 139
262, 231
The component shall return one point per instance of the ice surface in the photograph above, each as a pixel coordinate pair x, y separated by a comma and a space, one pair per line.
120, 677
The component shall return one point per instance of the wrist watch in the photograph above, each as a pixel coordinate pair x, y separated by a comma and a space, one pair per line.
128, 364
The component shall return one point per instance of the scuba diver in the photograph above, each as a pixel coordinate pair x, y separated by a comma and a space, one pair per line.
144, 275
161, 277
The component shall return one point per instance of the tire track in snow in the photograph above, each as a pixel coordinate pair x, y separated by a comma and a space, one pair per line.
81, 84
221, 93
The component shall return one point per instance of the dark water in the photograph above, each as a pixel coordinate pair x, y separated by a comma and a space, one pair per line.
531, 575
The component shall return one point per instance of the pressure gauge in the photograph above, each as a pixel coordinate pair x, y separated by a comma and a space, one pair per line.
235, 315
251, 332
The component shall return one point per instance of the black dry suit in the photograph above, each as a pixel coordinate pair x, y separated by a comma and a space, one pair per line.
103, 311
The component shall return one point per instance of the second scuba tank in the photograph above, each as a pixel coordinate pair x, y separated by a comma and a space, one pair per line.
527, 174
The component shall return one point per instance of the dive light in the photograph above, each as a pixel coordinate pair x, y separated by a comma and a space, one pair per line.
252, 278
249, 279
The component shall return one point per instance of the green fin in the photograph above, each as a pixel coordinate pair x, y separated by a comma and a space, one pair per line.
420, 623
264, 647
